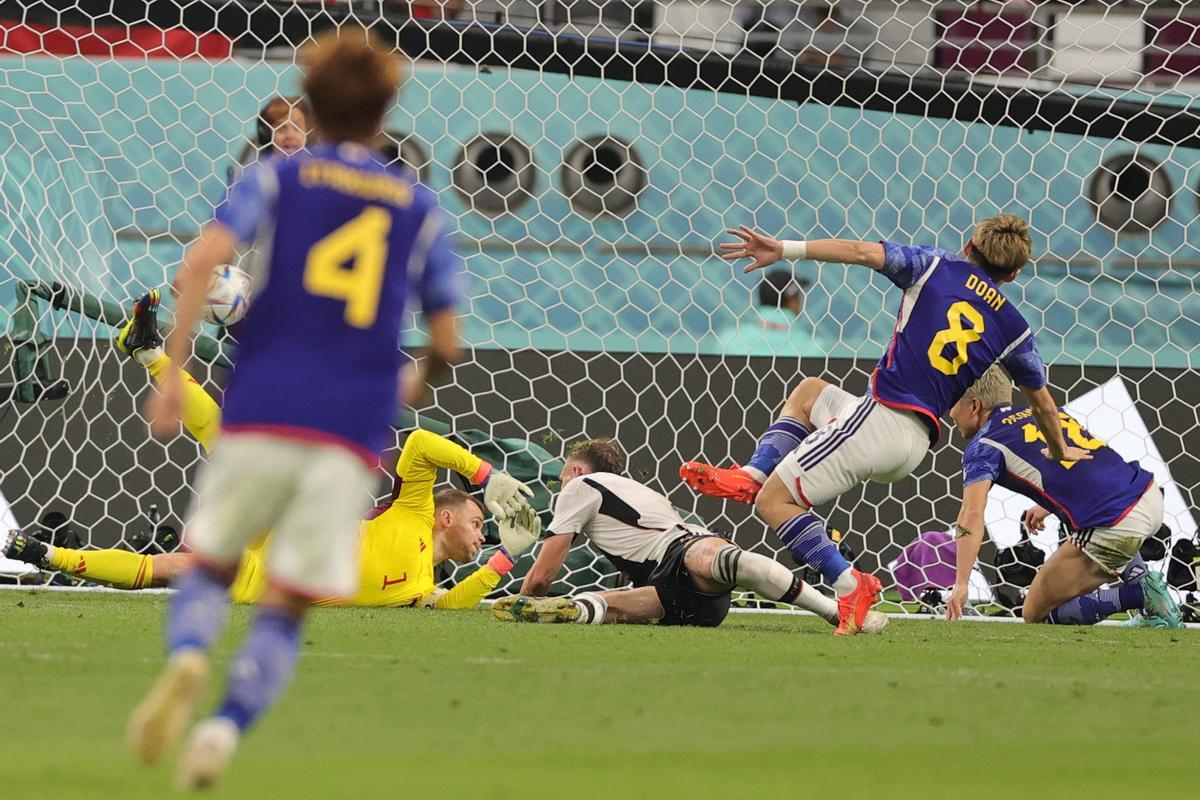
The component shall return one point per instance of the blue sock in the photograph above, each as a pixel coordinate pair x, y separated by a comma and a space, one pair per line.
807, 540
198, 611
1088, 609
263, 668
784, 436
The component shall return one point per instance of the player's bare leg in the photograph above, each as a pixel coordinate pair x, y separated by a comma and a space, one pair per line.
257, 675
1066, 591
625, 606
1067, 574
197, 616
742, 483
717, 565
806, 538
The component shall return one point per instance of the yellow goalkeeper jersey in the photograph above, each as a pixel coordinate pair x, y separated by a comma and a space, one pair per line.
396, 547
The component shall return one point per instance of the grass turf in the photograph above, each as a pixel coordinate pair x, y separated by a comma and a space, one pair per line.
408, 703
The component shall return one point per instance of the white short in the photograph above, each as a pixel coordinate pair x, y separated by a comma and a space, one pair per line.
855, 439
1113, 548
309, 496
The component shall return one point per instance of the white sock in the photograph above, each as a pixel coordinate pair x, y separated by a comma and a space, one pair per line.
755, 473
148, 356
811, 600
592, 608
845, 583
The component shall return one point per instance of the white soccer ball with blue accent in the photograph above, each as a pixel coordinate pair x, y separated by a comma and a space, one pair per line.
228, 296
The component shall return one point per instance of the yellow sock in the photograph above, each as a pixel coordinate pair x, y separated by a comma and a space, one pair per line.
201, 414
118, 568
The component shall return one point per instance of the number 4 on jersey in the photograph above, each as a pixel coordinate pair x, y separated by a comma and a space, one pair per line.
1072, 430
361, 243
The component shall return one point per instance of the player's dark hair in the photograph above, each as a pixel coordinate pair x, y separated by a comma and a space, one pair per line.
778, 287
275, 112
454, 498
350, 80
602, 455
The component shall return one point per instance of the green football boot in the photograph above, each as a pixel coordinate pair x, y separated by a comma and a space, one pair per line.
536, 609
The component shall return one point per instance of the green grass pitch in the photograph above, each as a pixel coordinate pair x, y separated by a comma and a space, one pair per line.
416, 704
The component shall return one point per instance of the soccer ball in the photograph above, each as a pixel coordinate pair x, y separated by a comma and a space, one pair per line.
228, 296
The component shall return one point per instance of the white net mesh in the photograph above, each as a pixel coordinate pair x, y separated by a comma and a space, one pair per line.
590, 154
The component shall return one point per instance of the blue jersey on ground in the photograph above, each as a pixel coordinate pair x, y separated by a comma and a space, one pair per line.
953, 324
1085, 494
341, 243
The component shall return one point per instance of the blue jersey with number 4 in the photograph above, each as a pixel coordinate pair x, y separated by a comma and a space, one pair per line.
953, 324
1083, 494
341, 243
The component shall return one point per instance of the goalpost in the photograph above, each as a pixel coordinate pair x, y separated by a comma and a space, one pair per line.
590, 157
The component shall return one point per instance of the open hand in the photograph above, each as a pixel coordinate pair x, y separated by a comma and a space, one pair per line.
1069, 454
958, 599
1035, 519
763, 249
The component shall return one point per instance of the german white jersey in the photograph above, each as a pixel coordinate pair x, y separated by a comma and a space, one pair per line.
625, 520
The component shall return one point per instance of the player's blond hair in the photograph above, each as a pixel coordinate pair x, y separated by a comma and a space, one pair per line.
602, 455
1003, 242
350, 79
994, 388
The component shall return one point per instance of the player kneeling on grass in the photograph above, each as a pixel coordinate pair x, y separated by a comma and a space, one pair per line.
1108, 505
682, 574
402, 541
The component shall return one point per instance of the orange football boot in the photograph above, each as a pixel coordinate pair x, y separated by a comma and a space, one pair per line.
853, 607
731, 484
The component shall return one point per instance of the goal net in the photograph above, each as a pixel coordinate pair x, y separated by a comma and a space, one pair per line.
590, 155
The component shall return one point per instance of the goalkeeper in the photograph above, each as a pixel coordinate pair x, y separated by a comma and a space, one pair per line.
402, 540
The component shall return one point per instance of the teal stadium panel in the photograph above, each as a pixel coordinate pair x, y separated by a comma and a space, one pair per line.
110, 166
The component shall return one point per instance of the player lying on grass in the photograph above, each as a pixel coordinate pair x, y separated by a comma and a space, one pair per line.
953, 324
1108, 505
402, 541
682, 574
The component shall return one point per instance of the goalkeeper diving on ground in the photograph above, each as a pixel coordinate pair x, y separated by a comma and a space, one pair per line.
402, 540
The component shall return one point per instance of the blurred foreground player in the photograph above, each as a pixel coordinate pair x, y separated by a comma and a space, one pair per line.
682, 574
310, 398
1108, 506
952, 325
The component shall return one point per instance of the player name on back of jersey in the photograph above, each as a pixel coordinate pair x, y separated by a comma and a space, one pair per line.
367, 184
990, 295
1017, 417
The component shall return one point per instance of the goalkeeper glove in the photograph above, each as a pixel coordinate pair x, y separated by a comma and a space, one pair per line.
502, 495
519, 532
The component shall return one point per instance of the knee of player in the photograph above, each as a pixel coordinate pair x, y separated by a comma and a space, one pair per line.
773, 504
1032, 615
805, 393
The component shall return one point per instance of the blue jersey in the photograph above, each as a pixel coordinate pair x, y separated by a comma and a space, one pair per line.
342, 242
1084, 494
953, 324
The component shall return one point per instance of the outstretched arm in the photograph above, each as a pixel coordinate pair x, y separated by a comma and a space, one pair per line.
1045, 414
766, 251
549, 561
968, 533
517, 534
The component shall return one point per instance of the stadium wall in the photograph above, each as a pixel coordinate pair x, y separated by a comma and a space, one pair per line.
112, 164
